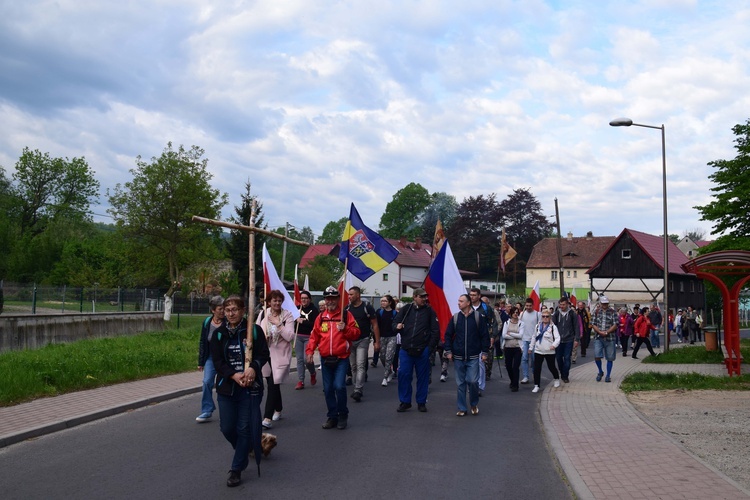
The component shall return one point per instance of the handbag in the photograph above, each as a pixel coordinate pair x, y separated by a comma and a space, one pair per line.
415, 351
331, 361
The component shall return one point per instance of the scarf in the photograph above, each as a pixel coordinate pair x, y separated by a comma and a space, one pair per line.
542, 329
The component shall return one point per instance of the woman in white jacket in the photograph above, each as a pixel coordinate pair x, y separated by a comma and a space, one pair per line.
513, 331
543, 344
278, 324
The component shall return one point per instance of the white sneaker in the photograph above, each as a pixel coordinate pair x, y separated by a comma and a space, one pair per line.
390, 377
525, 380
557, 382
267, 423
276, 416
443, 377
535, 389
385, 382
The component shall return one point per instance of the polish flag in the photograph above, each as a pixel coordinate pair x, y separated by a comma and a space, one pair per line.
273, 282
535, 297
444, 286
573, 299
306, 286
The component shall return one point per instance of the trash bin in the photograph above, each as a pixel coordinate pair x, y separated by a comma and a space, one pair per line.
709, 334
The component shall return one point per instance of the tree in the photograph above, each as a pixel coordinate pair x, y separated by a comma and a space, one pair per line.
323, 271
154, 210
239, 241
52, 188
294, 252
332, 232
442, 206
475, 234
403, 212
696, 234
728, 211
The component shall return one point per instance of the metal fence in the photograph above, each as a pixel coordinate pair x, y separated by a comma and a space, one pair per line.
25, 298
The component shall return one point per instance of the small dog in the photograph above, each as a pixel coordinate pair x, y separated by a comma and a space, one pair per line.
267, 442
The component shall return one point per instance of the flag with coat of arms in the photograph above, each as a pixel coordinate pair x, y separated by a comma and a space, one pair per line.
363, 251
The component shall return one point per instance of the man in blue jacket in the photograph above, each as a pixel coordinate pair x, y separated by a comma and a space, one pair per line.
467, 339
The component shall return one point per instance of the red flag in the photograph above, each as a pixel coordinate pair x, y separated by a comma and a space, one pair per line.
297, 294
535, 297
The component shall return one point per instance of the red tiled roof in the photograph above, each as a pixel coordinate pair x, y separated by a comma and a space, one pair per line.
653, 247
578, 252
702, 243
410, 254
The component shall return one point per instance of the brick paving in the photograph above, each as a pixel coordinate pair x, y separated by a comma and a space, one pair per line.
598, 437
601, 440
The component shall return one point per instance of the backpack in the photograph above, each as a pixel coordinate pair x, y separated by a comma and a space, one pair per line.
455, 319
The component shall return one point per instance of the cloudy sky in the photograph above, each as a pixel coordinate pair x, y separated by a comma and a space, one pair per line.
321, 103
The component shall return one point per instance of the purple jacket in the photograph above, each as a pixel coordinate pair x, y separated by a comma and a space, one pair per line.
625, 327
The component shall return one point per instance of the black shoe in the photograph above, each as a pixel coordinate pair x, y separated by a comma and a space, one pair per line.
374, 365
573, 361
342, 422
348, 381
422, 407
566, 380
633, 356
403, 407
514, 389
489, 377
330, 423
357, 396
234, 479
583, 354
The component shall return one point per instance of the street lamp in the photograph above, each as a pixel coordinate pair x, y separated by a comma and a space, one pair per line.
627, 122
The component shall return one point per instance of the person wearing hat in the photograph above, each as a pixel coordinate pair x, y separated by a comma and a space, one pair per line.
418, 326
332, 334
604, 324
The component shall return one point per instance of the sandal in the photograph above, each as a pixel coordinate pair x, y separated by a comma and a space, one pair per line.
460, 413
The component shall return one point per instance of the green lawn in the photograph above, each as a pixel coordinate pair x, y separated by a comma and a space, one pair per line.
61, 368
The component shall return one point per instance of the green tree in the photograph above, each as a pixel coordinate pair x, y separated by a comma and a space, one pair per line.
239, 240
442, 206
323, 271
294, 252
51, 188
731, 204
402, 213
696, 234
475, 234
332, 232
155, 209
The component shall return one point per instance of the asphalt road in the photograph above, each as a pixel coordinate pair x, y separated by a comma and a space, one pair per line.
160, 452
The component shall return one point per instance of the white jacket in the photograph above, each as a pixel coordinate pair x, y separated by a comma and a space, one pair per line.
549, 342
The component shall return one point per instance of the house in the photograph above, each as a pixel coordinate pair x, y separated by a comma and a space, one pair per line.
690, 247
399, 278
578, 255
631, 271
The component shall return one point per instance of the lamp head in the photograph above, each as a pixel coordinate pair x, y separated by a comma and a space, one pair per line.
621, 122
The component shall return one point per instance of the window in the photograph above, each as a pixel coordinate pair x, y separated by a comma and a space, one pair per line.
568, 274
575, 274
385, 276
671, 286
625, 253
692, 286
700, 286
682, 286
554, 276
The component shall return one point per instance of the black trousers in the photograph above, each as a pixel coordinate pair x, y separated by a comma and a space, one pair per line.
273, 398
513, 365
585, 340
551, 364
643, 340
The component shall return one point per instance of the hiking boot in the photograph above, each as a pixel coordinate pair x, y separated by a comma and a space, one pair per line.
330, 423
234, 479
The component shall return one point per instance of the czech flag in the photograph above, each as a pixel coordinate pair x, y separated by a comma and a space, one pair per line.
444, 286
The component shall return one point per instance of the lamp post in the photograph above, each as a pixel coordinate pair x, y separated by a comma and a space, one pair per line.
627, 122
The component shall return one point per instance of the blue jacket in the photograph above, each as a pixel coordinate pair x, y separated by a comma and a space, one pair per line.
464, 338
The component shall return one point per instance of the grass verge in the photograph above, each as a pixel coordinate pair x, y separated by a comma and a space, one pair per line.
651, 381
87, 364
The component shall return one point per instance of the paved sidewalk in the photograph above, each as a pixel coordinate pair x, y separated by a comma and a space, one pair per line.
600, 439
47, 415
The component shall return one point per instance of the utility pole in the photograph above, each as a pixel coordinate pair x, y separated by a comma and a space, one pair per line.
283, 252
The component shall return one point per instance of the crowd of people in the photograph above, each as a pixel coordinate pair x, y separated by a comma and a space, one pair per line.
405, 338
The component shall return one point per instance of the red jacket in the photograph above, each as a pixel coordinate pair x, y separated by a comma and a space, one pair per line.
328, 339
643, 326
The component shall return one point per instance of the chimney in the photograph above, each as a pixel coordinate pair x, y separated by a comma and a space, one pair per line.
402, 241
570, 236
418, 242
589, 235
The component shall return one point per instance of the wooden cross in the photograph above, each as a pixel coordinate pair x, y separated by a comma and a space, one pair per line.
251, 230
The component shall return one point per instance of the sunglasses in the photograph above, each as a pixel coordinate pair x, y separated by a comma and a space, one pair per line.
545, 315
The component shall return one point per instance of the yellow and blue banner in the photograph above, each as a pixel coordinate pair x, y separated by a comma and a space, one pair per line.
367, 251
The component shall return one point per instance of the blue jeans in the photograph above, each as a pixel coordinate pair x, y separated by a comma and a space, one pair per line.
209, 376
406, 366
562, 356
467, 376
334, 388
235, 423
299, 348
527, 358
655, 340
